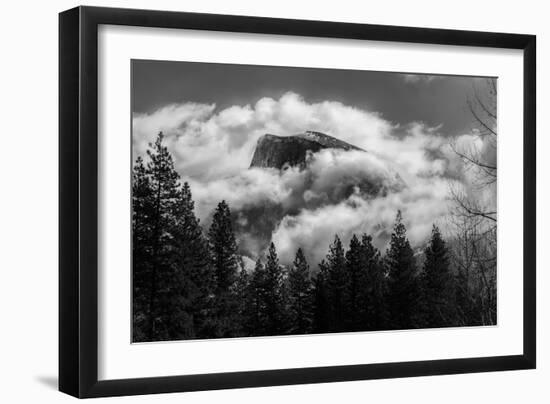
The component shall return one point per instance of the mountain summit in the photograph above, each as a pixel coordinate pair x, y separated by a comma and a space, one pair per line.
279, 151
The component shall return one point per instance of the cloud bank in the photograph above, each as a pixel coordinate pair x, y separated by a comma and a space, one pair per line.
409, 168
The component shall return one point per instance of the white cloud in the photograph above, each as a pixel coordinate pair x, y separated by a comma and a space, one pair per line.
211, 144
422, 203
212, 150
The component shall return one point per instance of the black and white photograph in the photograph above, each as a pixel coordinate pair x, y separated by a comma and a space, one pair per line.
239, 202
274, 201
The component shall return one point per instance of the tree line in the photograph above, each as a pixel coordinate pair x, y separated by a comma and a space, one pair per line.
189, 283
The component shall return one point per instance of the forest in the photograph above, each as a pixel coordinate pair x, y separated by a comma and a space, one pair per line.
190, 283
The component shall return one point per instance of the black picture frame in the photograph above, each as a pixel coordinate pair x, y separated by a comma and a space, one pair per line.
78, 201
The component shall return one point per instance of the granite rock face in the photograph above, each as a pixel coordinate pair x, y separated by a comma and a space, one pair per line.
307, 191
279, 151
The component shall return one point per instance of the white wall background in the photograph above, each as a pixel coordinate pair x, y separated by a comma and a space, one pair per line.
28, 202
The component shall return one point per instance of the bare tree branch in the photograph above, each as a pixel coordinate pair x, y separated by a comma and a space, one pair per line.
490, 113
480, 121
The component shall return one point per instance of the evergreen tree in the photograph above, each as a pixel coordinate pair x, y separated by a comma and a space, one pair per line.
160, 205
336, 262
273, 292
223, 248
241, 292
187, 285
255, 313
355, 285
321, 306
195, 274
375, 316
299, 296
225, 263
141, 250
438, 286
404, 289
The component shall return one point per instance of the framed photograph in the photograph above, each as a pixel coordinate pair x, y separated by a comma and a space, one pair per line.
251, 202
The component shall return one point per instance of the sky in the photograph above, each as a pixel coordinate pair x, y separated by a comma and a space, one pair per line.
212, 115
400, 98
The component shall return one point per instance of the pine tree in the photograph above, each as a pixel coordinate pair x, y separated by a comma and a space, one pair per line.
336, 283
321, 306
355, 285
438, 283
141, 250
375, 314
223, 248
241, 293
255, 316
404, 289
300, 309
225, 263
161, 209
273, 292
194, 270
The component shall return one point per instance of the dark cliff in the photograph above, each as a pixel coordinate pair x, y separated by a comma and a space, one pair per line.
279, 151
